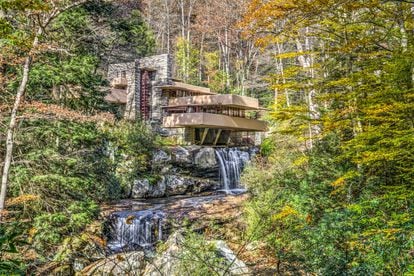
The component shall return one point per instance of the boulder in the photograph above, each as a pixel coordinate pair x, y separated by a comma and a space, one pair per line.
160, 157
181, 156
236, 266
205, 158
141, 188
171, 185
166, 262
159, 189
131, 263
178, 185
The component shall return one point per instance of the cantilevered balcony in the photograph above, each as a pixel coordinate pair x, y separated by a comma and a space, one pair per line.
185, 87
119, 83
233, 101
208, 120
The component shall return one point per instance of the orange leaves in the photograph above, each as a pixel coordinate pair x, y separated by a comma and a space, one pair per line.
21, 199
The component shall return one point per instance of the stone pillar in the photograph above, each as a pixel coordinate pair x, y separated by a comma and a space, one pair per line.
137, 92
115, 71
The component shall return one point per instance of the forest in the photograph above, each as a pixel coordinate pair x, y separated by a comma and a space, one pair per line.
329, 190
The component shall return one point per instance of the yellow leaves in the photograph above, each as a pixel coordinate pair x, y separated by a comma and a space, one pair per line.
286, 211
98, 240
21, 200
301, 161
39, 110
389, 233
309, 218
340, 82
290, 55
32, 232
339, 184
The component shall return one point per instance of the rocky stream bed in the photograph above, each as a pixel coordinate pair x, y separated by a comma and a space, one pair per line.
197, 189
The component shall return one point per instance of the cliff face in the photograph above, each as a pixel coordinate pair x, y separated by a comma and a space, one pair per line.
179, 171
192, 170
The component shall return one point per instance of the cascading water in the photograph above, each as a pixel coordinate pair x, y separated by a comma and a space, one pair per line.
136, 230
133, 230
232, 162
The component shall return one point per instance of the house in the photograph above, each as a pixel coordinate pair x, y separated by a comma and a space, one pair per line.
145, 89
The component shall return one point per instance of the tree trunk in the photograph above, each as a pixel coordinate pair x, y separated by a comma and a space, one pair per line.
10, 133
168, 22
13, 123
19, 96
282, 73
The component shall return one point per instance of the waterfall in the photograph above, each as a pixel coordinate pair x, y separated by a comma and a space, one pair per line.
135, 230
232, 162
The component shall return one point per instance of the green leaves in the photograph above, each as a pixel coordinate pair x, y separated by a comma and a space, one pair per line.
72, 167
10, 264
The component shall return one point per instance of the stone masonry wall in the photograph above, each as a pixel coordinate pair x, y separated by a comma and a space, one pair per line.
162, 65
114, 71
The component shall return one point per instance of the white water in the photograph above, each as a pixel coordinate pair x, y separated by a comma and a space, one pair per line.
232, 162
139, 229
132, 230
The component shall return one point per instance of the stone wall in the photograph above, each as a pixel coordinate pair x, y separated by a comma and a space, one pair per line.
115, 71
162, 65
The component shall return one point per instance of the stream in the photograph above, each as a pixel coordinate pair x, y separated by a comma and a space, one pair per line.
140, 224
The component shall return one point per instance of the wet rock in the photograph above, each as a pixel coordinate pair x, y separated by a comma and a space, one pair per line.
203, 185
205, 158
120, 264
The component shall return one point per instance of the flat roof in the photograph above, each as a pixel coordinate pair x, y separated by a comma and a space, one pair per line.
187, 87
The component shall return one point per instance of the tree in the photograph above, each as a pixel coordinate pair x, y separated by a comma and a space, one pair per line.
345, 74
33, 19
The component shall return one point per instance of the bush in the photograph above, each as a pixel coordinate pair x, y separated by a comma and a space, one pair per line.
315, 215
63, 170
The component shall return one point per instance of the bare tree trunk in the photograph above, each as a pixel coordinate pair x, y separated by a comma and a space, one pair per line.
282, 73
168, 19
10, 133
13, 123
19, 96
183, 24
306, 61
201, 55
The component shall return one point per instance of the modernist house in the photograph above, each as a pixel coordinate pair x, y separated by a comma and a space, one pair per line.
146, 89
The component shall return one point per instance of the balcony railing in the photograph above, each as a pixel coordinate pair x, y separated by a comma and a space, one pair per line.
119, 83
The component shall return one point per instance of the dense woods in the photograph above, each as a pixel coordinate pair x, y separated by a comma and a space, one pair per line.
331, 191
336, 187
